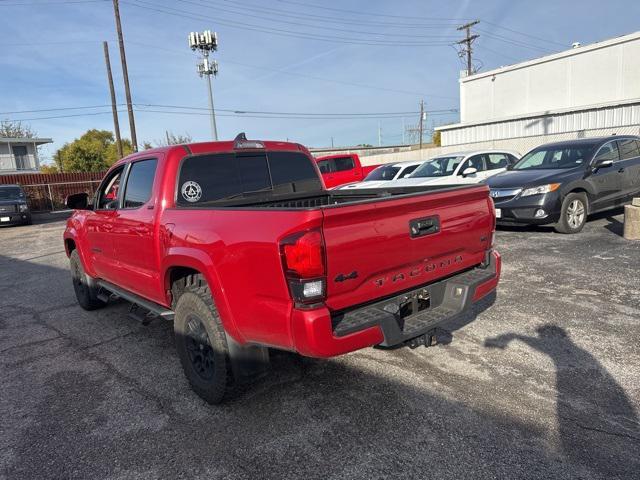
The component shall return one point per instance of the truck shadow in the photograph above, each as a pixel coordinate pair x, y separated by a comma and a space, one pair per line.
593, 410
96, 395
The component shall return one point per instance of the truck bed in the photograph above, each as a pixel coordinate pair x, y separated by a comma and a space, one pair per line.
329, 198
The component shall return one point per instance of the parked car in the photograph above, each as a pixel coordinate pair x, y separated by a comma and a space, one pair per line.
340, 169
383, 174
459, 168
13, 206
240, 244
561, 183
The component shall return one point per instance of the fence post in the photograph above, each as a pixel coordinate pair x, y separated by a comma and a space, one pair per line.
53, 207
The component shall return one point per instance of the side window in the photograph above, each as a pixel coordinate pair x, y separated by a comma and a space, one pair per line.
139, 183
109, 189
324, 166
474, 162
344, 163
628, 148
409, 170
496, 161
609, 151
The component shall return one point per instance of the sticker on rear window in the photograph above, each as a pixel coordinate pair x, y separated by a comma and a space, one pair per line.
191, 191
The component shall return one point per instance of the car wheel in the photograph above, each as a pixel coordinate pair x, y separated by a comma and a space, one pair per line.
201, 341
86, 294
573, 214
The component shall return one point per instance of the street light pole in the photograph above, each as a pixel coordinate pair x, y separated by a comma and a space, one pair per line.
207, 42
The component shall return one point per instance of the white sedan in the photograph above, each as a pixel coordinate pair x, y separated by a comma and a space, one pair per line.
459, 168
384, 174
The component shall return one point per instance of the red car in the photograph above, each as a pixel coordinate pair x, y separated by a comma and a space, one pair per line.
240, 244
341, 169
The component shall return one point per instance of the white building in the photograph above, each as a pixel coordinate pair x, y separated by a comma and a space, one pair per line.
20, 155
587, 91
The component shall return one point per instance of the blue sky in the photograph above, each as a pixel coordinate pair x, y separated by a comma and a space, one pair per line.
305, 56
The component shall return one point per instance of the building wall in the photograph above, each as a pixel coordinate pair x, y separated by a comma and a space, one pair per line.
7, 160
574, 124
605, 72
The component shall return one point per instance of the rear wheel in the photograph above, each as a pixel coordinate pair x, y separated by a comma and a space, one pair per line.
86, 293
201, 341
573, 215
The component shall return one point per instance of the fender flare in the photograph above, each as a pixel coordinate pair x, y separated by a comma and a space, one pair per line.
198, 260
71, 233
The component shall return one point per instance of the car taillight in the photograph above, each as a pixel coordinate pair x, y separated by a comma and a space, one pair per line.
304, 266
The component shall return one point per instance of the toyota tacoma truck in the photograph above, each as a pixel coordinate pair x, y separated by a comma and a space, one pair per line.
239, 243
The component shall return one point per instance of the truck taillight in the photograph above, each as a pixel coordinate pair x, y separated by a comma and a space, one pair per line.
304, 266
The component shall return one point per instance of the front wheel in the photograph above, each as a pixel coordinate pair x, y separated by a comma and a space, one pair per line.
86, 294
573, 214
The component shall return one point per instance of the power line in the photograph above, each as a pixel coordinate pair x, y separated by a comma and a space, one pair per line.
65, 2
298, 23
234, 110
355, 12
524, 34
323, 18
277, 31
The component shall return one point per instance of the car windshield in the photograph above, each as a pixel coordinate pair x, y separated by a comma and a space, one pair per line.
556, 157
382, 173
438, 167
11, 193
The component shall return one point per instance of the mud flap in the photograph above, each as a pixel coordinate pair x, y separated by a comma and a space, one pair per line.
248, 362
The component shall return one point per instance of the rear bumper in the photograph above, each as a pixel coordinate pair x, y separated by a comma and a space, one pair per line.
318, 333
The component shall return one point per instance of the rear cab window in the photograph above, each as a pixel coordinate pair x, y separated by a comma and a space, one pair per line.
344, 163
223, 177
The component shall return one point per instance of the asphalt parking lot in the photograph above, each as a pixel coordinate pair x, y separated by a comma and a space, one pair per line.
542, 383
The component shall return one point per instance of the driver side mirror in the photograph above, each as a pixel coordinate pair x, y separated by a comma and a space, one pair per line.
469, 171
78, 201
602, 163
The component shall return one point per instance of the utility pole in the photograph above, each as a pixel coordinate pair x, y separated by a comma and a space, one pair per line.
125, 74
207, 42
421, 121
403, 129
114, 106
379, 135
467, 41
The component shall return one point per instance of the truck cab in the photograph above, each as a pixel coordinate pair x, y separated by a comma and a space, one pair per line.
341, 169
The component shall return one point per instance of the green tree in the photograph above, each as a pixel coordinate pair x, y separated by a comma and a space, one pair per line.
49, 168
94, 151
436, 138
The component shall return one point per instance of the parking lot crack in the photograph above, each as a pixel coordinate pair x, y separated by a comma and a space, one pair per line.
599, 430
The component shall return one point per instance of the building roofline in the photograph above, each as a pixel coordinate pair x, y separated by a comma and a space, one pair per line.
554, 56
39, 141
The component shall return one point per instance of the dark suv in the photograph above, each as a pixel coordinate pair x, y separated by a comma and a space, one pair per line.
561, 183
13, 205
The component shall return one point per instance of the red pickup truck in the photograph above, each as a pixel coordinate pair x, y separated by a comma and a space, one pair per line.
242, 247
340, 169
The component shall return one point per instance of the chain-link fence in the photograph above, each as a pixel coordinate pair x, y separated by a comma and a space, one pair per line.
50, 197
47, 192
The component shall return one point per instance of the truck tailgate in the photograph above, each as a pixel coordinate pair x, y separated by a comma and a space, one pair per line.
382, 247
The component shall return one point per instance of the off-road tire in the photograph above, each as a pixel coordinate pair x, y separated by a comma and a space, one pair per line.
205, 361
86, 293
565, 223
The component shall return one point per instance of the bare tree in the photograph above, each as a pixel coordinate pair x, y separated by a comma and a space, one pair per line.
16, 129
170, 139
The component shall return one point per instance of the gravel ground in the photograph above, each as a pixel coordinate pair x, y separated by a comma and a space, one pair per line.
540, 382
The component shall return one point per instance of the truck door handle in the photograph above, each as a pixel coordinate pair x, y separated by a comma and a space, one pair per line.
420, 227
